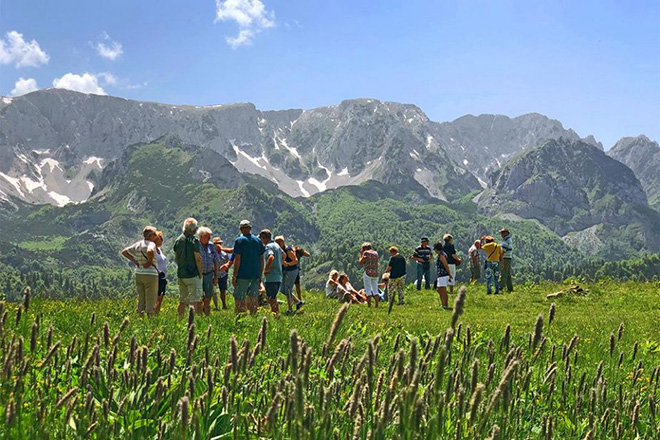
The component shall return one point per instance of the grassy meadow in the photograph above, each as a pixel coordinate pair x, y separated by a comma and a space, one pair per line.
508, 367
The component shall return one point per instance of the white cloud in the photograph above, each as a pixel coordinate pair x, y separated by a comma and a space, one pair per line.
23, 86
108, 78
20, 52
251, 16
85, 83
108, 48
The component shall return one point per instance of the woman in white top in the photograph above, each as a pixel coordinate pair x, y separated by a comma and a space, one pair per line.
161, 266
331, 285
142, 254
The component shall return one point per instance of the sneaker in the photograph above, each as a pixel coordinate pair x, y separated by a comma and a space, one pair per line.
445, 308
300, 304
488, 293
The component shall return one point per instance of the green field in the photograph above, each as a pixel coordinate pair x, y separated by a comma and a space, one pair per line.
405, 376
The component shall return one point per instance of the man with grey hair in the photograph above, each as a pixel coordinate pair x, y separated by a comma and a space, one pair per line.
189, 267
248, 269
209, 267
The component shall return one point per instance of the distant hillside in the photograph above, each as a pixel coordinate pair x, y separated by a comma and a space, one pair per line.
595, 202
642, 155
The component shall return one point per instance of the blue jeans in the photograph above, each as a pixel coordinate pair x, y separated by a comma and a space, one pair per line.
492, 273
288, 282
421, 271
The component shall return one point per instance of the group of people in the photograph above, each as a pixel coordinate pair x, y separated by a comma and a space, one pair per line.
497, 263
264, 266
261, 265
497, 268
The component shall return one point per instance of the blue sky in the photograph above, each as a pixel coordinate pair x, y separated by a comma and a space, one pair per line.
594, 65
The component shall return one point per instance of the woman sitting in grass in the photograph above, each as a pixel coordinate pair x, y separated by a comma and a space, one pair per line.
347, 293
331, 285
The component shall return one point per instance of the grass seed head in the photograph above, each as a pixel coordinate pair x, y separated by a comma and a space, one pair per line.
551, 314
124, 324
538, 331
459, 303
27, 293
620, 332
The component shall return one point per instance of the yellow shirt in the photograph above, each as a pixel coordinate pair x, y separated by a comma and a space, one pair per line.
493, 251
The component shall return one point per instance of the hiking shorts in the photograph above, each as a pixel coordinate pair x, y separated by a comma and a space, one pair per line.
246, 288
190, 290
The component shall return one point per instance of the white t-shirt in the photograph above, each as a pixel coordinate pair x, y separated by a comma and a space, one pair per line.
161, 261
140, 251
330, 290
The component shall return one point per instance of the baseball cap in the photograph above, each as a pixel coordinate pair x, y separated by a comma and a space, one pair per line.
245, 223
425, 238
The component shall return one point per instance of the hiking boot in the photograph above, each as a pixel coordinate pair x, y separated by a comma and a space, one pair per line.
299, 305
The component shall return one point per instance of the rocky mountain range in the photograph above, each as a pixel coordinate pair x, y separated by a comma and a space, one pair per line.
59, 147
303, 152
583, 195
642, 155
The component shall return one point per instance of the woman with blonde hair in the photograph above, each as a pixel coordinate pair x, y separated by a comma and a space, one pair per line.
331, 285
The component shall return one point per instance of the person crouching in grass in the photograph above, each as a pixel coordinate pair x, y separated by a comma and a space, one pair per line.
444, 274
142, 254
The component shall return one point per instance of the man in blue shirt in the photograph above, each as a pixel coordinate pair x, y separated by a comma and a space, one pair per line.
272, 269
507, 258
248, 269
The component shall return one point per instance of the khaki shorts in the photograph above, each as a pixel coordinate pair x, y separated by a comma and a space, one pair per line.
452, 272
190, 290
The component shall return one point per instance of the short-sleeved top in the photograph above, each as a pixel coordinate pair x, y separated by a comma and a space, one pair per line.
140, 251
288, 260
209, 257
493, 251
251, 249
185, 248
474, 255
223, 258
274, 275
398, 266
450, 250
161, 261
330, 290
442, 272
424, 253
371, 263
